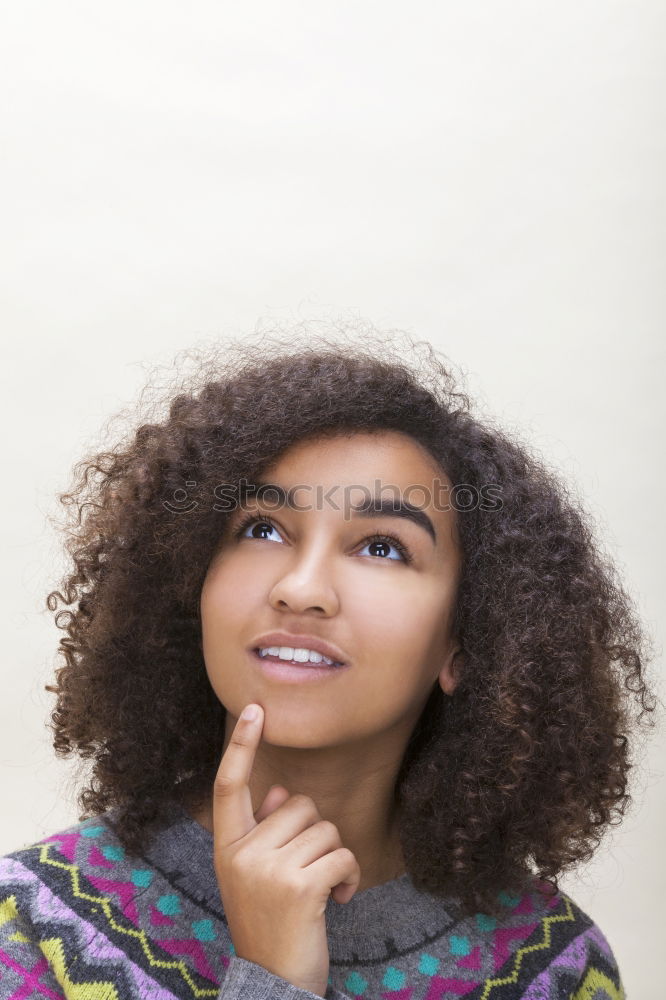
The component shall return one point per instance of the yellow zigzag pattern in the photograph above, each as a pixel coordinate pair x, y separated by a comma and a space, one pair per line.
545, 943
52, 950
55, 955
8, 912
55, 952
594, 980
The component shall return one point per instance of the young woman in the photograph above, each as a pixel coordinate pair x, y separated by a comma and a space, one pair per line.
444, 669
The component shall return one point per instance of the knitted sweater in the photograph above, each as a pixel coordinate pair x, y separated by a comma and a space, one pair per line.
82, 919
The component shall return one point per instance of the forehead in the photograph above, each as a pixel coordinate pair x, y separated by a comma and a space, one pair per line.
357, 466
359, 457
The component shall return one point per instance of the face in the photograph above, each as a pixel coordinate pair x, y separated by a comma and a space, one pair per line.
319, 571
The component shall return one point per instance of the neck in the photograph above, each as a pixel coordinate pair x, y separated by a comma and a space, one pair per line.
382, 864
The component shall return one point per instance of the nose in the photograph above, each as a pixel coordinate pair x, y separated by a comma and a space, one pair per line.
305, 586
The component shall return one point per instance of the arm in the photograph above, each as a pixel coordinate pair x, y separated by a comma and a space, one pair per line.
245, 980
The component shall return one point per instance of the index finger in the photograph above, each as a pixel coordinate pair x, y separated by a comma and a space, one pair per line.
232, 803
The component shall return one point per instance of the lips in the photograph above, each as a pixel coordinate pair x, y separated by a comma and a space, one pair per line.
272, 658
301, 640
290, 672
308, 664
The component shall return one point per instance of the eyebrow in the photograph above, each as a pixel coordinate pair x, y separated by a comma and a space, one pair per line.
373, 506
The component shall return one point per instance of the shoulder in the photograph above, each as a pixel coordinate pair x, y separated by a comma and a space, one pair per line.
560, 950
43, 886
85, 831
55, 859
588, 960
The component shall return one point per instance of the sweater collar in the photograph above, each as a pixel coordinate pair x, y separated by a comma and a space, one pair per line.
378, 923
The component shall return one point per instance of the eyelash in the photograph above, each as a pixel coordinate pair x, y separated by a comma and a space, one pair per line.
390, 539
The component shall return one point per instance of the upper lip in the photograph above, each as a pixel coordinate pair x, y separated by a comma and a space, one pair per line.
302, 641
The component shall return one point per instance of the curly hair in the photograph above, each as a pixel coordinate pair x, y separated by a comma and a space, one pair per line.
512, 779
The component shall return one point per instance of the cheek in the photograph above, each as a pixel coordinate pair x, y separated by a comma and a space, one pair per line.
400, 623
214, 622
224, 605
398, 640
407, 599
225, 595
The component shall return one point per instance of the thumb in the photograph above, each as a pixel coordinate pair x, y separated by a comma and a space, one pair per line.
274, 798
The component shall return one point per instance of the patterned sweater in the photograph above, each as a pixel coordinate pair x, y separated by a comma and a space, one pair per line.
82, 919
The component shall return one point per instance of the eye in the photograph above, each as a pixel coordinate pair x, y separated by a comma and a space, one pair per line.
390, 542
384, 541
264, 522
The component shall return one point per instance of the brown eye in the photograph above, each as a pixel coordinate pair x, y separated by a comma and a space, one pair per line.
263, 523
386, 542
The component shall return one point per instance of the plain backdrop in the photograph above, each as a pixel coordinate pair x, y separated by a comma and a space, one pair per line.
488, 177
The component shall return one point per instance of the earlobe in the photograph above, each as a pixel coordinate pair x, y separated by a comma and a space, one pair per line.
449, 675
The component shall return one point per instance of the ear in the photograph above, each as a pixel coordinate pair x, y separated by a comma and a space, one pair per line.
449, 674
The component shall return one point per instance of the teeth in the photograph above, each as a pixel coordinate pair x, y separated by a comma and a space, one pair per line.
299, 654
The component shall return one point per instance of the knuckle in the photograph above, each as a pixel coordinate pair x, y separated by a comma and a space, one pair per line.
240, 858
347, 856
301, 799
240, 862
306, 805
293, 883
308, 837
329, 829
237, 740
323, 833
223, 785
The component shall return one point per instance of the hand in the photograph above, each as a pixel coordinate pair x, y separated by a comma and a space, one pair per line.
277, 869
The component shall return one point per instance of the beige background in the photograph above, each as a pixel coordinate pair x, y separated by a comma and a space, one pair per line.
486, 176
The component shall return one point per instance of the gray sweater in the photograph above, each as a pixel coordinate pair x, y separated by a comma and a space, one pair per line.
81, 918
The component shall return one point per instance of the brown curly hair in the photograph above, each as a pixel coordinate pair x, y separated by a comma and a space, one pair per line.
512, 779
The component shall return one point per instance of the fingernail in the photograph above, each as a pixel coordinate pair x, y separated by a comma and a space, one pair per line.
250, 713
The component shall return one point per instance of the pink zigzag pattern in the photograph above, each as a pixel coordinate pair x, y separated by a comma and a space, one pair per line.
91, 942
191, 947
524, 907
502, 939
458, 987
471, 961
66, 843
501, 952
95, 857
125, 892
175, 946
158, 919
